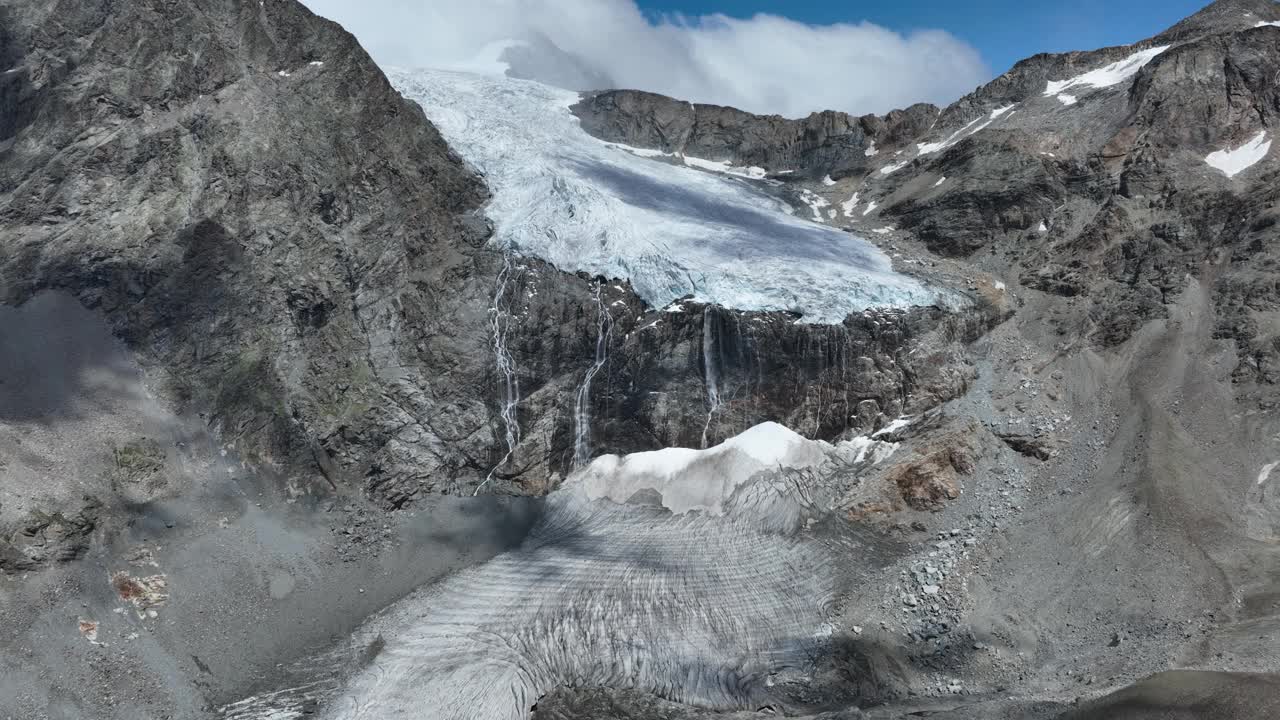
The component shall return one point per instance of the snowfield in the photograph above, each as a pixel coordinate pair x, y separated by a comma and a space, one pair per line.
1232, 162
1104, 77
672, 230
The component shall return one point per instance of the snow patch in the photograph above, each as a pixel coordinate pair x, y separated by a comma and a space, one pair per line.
641, 152
848, 205
724, 166
870, 206
895, 167
883, 230
1106, 76
1066, 99
1234, 162
865, 449
975, 126
826, 180
871, 150
1041, 227
717, 166
815, 203
894, 426
1000, 111
1273, 23
940, 181
1265, 472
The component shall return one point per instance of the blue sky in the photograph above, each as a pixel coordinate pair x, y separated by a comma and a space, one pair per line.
1004, 31
789, 57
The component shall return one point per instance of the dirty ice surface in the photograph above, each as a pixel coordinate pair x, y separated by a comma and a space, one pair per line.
701, 583
1232, 162
586, 205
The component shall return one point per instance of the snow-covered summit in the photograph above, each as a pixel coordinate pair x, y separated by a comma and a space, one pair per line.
584, 205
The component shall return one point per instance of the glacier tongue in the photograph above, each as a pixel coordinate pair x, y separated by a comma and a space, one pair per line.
687, 573
584, 205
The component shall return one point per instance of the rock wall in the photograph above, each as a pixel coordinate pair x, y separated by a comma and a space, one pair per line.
825, 143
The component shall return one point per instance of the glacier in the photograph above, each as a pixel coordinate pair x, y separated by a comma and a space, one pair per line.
672, 230
693, 574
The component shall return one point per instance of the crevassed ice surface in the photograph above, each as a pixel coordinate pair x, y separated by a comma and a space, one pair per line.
700, 607
583, 204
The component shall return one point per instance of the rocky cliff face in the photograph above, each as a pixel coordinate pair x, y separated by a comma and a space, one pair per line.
255, 209
830, 143
692, 375
299, 257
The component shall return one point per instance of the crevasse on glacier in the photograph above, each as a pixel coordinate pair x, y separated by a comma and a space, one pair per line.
586, 205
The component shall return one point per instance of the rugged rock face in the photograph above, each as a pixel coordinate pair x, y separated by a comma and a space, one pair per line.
832, 143
241, 191
693, 375
302, 261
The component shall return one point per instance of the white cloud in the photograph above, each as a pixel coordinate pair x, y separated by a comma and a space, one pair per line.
765, 64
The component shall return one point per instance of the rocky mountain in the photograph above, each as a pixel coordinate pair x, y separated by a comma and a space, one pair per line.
267, 329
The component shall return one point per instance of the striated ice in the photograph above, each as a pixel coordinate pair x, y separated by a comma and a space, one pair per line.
585, 205
687, 573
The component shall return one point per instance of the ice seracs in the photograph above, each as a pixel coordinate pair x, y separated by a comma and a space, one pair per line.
700, 480
1106, 76
586, 205
1232, 162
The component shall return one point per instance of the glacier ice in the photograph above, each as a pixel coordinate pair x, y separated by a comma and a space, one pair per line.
688, 573
672, 230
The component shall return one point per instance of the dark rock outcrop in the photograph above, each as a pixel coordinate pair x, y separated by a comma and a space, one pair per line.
829, 142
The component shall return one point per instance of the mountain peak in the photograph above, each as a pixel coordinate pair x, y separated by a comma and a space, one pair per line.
1223, 16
